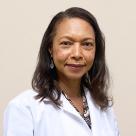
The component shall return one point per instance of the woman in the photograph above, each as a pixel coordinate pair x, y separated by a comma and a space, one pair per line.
70, 83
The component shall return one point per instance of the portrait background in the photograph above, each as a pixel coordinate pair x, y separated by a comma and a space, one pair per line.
22, 25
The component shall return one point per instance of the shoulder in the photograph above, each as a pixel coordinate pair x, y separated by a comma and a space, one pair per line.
26, 96
24, 101
108, 116
111, 118
109, 113
20, 110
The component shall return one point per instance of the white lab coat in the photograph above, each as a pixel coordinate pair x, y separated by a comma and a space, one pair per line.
25, 116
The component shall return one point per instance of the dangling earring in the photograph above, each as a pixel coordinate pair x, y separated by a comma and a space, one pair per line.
51, 64
88, 77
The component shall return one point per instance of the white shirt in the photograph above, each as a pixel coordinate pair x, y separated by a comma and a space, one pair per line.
26, 116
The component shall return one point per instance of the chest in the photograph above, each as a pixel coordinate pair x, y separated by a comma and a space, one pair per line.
66, 121
59, 122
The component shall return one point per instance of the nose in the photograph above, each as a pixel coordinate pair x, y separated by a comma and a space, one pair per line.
77, 51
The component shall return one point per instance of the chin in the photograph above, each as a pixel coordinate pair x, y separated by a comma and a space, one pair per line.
75, 77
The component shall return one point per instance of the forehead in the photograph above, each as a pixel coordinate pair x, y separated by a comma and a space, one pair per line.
74, 26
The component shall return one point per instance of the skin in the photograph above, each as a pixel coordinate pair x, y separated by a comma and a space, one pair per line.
73, 53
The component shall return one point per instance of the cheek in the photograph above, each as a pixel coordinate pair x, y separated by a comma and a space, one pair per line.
90, 59
59, 56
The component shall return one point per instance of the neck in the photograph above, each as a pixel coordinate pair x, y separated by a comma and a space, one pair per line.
70, 87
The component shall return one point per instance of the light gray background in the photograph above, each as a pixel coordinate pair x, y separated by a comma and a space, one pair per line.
22, 25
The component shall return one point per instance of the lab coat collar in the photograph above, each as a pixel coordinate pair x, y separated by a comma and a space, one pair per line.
67, 107
94, 114
97, 116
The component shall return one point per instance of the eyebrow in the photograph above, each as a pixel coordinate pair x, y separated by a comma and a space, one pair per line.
70, 38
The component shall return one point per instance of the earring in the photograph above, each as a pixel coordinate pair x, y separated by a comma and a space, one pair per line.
88, 77
51, 64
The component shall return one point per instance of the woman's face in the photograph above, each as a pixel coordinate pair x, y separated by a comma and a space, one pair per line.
73, 49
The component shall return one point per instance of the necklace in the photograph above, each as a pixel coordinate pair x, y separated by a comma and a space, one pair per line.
86, 114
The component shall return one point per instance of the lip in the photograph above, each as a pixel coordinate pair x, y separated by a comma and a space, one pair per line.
75, 65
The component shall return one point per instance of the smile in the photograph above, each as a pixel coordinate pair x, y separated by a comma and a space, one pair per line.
75, 65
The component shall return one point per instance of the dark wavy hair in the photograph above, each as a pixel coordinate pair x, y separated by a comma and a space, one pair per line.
44, 76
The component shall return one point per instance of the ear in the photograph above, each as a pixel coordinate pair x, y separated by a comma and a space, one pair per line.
50, 51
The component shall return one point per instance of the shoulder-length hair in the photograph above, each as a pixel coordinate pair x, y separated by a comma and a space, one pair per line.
97, 80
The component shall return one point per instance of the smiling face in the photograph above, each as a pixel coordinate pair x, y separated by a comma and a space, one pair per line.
73, 49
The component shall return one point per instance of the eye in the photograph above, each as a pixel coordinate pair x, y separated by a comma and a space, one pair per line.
66, 43
88, 45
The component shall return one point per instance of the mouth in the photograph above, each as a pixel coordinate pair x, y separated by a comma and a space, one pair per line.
75, 65
76, 68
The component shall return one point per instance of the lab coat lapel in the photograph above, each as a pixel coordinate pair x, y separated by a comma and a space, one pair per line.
94, 115
67, 107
